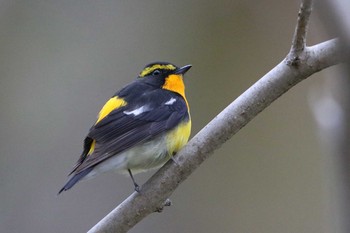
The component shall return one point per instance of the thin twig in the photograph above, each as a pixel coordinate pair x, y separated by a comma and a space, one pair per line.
299, 37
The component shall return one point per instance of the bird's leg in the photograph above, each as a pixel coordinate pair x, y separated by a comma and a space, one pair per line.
137, 187
173, 159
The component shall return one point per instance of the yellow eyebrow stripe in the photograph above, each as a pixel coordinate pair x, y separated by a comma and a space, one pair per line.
150, 69
112, 104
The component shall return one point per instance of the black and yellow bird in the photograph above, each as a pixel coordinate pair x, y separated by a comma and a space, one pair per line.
139, 128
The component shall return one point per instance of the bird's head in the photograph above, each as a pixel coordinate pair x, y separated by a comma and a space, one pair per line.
165, 75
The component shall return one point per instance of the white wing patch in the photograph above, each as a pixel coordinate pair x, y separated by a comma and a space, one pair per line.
136, 111
171, 101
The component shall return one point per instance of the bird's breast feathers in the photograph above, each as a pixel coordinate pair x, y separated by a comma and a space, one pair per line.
130, 136
148, 155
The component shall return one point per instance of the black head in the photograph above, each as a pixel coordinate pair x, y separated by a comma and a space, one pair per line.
157, 72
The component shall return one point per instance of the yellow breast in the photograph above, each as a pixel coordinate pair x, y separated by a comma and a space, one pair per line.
178, 137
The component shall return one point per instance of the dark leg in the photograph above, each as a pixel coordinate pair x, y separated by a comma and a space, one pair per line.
172, 158
137, 187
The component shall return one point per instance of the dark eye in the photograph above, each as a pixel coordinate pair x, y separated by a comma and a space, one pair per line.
156, 72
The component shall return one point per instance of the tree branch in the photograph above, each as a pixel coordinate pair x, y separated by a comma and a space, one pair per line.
299, 38
258, 97
279, 80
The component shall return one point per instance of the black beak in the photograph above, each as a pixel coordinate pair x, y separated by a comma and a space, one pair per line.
183, 69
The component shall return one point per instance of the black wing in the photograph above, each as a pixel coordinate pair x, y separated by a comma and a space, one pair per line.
119, 131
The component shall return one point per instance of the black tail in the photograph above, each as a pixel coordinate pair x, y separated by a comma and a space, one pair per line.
72, 181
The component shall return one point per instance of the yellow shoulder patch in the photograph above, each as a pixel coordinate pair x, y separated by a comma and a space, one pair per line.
149, 69
112, 104
92, 147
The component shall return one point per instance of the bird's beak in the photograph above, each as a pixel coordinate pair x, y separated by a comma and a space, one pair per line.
183, 70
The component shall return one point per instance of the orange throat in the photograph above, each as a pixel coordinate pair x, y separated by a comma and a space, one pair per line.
175, 83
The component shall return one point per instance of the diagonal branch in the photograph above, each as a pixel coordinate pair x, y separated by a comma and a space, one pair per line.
279, 80
258, 97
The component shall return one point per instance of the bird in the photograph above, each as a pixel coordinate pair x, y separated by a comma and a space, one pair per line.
139, 128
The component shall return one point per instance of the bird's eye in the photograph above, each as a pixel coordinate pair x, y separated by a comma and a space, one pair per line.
156, 72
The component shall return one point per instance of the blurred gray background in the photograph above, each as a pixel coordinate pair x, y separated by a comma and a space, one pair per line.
61, 60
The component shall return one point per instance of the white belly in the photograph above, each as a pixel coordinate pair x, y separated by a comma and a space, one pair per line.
146, 156
149, 155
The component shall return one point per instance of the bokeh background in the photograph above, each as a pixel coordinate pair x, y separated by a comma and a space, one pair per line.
61, 60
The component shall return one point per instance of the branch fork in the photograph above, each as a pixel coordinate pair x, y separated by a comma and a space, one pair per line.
295, 55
